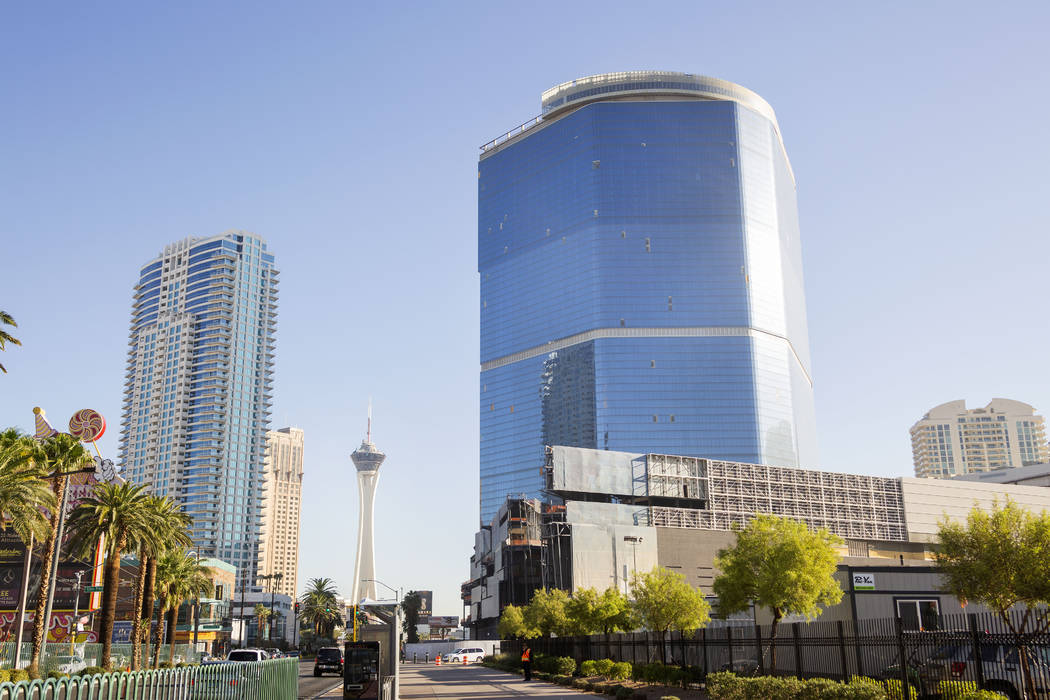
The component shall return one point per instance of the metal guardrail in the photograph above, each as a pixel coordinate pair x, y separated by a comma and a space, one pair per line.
276, 679
520, 129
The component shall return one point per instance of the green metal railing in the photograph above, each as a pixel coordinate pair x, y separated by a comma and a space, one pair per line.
276, 679
57, 656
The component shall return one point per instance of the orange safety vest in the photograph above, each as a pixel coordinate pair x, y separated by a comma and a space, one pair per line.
526, 654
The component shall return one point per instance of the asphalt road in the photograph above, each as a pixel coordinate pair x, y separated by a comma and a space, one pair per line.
310, 687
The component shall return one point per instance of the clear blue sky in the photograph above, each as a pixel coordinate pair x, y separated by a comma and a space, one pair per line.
347, 135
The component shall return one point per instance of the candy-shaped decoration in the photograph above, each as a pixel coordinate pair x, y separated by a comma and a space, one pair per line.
87, 425
43, 428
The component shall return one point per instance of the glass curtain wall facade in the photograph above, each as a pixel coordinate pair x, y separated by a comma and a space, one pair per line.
641, 281
198, 387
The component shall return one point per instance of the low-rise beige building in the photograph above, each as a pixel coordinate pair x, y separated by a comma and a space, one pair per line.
279, 541
951, 440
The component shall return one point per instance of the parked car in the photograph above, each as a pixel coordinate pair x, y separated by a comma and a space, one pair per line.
329, 660
248, 655
473, 655
1000, 664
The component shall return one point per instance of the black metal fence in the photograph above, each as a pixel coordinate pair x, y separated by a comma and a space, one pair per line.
982, 650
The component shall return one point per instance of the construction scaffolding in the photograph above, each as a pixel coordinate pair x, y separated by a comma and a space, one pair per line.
849, 505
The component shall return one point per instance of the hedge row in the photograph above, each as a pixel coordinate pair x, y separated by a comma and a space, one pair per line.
728, 686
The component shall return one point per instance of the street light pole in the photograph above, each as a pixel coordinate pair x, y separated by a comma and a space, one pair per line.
76, 614
196, 609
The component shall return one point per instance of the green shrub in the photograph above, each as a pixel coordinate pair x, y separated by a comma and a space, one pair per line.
619, 671
894, 692
603, 666
565, 665
820, 689
164, 664
956, 690
57, 674
668, 697
562, 680
725, 686
580, 683
19, 674
622, 692
589, 668
5, 675
981, 695
861, 688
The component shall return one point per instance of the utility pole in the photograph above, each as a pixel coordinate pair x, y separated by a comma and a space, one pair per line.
76, 613
244, 624
22, 603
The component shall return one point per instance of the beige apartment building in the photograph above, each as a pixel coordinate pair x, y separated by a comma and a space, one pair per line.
952, 440
279, 541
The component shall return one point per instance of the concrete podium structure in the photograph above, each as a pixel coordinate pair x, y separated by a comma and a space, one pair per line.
367, 459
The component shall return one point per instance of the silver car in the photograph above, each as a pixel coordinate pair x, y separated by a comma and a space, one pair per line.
1000, 664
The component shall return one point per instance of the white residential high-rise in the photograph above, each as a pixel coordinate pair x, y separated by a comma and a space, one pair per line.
951, 440
197, 393
279, 541
367, 459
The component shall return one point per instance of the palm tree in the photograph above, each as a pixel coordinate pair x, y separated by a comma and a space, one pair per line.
57, 456
24, 493
169, 531
179, 576
262, 614
5, 337
119, 514
318, 605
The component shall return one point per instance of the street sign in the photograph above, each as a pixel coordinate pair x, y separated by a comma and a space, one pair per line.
93, 589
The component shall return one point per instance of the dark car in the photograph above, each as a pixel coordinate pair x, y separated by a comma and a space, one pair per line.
329, 660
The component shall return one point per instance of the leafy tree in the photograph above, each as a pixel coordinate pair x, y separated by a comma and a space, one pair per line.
663, 601
119, 514
5, 337
512, 624
57, 456
411, 606
779, 564
590, 612
546, 612
24, 493
1001, 559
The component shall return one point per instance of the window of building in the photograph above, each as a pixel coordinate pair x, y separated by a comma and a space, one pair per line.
919, 615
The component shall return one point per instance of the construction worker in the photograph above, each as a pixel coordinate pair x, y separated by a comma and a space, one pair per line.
526, 662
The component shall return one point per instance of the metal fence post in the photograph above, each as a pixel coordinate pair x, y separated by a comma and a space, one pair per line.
857, 650
758, 651
842, 650
729, 645
905, 688
703, 642
798, 650
975, 636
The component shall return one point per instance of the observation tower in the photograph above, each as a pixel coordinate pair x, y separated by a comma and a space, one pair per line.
367, 459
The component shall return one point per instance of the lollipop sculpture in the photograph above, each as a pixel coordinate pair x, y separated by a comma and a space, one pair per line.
87, 425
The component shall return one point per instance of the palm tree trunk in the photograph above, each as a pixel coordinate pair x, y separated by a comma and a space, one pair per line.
173, 621
156, 633
110, 583
146, 611
136, 625
51, 548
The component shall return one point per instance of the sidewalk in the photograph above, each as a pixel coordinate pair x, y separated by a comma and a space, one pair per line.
475, 682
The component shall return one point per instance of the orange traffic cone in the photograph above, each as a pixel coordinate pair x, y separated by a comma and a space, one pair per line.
464, 659
437, 660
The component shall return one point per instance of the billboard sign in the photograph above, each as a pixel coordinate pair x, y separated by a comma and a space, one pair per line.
426, 603
444, 621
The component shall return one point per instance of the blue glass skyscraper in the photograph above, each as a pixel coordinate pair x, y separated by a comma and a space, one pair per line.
197, 394
641, 281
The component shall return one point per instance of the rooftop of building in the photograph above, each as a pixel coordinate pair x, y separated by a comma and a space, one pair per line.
1009, 475
641, 84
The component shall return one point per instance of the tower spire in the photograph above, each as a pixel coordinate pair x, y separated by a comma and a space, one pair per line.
369, 434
